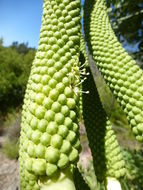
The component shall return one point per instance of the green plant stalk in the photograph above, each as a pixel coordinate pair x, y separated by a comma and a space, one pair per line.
107, 157
119, 70
49, 140
79, 180
85, 164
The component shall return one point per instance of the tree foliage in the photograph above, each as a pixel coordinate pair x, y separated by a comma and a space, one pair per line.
15, 63
126, 17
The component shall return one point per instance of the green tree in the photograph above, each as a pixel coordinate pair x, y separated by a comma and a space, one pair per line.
14, 71
126, 17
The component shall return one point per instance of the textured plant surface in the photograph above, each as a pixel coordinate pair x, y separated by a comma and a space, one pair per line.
49, 136
99, 131
61, 95
119, 70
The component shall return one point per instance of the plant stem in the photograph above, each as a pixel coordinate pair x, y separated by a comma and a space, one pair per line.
64, 181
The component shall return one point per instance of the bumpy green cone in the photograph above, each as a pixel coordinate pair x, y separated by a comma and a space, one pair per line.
49, 139
107, 156
119, 70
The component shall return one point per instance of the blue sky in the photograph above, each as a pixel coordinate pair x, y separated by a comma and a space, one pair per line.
20, 20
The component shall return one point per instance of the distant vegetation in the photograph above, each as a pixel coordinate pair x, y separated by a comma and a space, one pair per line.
15, 63
127, 21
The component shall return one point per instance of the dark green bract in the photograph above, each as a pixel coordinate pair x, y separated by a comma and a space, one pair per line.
107, 156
